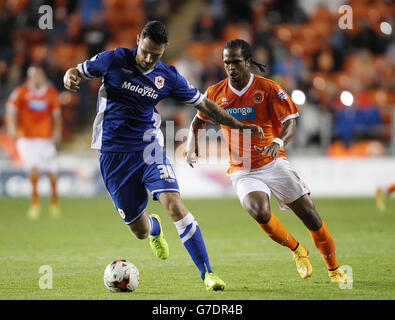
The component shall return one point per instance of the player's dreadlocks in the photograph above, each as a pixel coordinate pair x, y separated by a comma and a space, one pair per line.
245, 51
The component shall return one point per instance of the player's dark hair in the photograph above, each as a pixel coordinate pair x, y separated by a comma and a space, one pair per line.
156, 31
245, 52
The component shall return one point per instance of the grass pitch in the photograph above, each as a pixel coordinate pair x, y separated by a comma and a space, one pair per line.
90, 234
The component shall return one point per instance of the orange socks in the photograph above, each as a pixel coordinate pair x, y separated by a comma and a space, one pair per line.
324, 243
322, 239
277, 232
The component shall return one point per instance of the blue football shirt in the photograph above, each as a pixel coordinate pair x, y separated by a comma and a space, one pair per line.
127, 119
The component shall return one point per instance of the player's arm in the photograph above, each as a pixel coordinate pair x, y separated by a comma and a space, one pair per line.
57, 126
93, 68
286, 134
192, 149
219, 115
11, 120
11, 113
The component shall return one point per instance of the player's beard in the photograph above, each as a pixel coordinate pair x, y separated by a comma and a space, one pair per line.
234, 77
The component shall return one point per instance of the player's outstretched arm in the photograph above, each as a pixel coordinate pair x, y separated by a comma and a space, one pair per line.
219, 115
72, 79
192, 149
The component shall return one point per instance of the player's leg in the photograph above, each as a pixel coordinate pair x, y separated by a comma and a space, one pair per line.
161, 181
382, 195
304, 208
29, 152
54, 201
257, 204
44, 159
123, 176
35, 204
191, 236
254, 195
286, 186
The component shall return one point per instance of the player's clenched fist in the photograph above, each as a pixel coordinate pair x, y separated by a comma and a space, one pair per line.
72, 79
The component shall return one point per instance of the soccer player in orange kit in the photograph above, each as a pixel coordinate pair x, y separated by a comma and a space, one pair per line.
33, 118
258, 166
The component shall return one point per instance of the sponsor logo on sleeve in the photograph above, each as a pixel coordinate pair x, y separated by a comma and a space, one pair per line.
282, 95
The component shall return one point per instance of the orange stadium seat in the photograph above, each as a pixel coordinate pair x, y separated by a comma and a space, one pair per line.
337, 149
239, 31
127, 35
199, 51
322, 14
124, 18
305, 32
69, 55
342, 80
122, 4
38, 52
284, 32
322, 29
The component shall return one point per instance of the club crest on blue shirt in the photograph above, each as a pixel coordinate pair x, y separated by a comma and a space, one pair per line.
159, 82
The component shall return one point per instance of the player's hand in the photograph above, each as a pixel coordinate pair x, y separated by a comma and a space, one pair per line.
271, 150
57, 137
255, 130
192, 154
72, 79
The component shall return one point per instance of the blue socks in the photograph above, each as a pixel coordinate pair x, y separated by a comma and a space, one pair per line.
192, 238
155, 227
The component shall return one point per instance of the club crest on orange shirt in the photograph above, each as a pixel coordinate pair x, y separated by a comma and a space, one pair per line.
258, 96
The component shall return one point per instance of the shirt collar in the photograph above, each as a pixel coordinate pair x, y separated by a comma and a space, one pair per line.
242, 91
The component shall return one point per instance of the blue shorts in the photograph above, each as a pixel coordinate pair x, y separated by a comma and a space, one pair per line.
128, 177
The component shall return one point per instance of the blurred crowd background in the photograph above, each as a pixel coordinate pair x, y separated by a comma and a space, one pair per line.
341, 79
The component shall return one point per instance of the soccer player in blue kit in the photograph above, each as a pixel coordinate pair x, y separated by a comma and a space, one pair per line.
126, 131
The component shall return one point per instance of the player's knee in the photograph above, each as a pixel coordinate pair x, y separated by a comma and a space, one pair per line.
259, 210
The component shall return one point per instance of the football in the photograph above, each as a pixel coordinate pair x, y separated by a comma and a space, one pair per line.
121, 276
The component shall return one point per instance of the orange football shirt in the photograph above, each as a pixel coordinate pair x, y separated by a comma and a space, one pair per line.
35, 110
262, 102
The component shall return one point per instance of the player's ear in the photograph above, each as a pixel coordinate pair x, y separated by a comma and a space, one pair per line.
138, 39
248, 62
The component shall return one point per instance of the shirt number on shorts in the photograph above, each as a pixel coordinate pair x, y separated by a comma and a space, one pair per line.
166, 171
